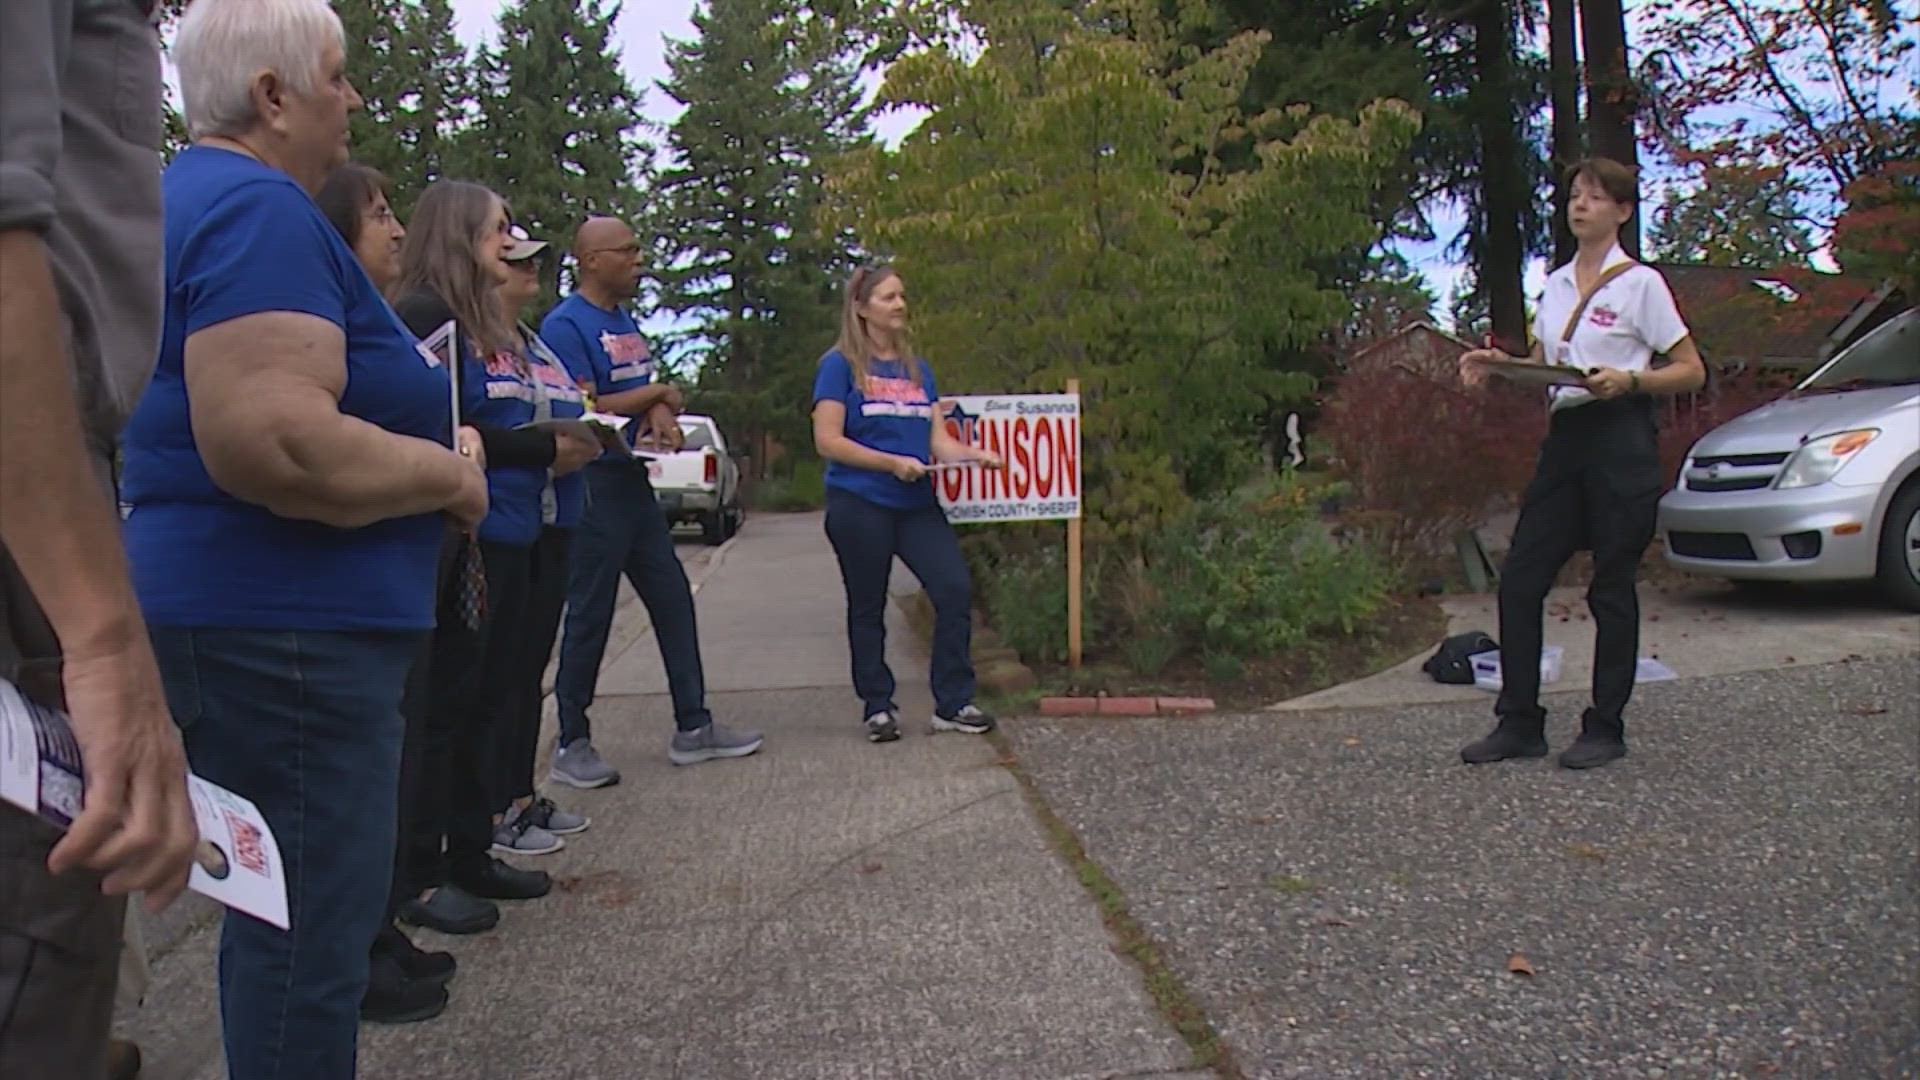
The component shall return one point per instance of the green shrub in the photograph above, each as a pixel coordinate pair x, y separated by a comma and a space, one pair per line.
1256, 572
1024, 592
802, 488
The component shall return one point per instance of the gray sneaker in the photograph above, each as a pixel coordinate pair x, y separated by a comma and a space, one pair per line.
580, 765
712, 741
544, 814
520, 836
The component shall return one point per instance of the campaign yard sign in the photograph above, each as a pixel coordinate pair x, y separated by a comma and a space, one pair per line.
1038, 436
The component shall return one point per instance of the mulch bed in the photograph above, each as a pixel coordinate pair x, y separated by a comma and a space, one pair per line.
1406, 626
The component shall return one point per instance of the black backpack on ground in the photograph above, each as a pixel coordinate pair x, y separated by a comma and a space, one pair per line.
1451, 663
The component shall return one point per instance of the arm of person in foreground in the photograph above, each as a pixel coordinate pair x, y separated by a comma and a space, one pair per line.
63, 532
266, 389
831, 442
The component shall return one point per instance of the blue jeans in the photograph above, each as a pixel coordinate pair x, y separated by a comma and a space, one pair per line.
866, 536
306, 725
625, 532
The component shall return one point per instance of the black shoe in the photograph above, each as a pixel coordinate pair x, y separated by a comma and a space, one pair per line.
451, 910
392, 998
498, 881
1592, 751
415, 962
1512, 738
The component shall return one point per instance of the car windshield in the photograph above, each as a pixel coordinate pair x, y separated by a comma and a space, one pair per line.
698, 437
1888, 356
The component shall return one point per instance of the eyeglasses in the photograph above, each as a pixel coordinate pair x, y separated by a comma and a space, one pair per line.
629, 250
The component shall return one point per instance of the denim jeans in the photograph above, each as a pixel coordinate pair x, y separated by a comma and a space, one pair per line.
625, 532
866, 536
306, 725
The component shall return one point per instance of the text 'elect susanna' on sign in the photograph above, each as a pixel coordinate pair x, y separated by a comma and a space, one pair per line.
1038, 436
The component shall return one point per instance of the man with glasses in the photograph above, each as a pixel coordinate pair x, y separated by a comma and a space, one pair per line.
624, 530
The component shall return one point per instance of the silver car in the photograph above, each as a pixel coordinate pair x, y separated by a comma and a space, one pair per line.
1819, 485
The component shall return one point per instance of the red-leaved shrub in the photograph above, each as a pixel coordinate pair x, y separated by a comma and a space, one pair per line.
1425, 458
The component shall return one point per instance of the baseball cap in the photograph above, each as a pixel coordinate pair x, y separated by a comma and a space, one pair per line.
523, 247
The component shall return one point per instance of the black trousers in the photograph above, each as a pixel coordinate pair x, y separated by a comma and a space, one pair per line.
517, 655
1597, 487
509, 592
446, 815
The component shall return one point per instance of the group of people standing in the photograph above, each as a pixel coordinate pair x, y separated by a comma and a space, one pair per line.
364, 503
363, 497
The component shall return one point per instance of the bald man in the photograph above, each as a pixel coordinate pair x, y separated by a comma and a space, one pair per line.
623, 530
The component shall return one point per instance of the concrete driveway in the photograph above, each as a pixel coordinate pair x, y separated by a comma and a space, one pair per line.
1697, 630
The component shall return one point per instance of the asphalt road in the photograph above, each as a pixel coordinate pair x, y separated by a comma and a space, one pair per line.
1737, 898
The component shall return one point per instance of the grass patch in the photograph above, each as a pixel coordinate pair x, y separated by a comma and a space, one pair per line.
1170, 995
1293, 885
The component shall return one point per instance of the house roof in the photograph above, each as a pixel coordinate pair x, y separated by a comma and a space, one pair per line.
1419, 327
1764, 317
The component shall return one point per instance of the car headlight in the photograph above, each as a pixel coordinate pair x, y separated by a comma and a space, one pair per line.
1818, 461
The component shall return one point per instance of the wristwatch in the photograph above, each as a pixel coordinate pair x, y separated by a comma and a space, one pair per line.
1633, 382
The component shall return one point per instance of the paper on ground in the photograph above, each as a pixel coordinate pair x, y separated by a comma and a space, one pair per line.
237, 862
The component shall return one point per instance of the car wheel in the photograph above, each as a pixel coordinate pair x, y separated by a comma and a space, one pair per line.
1900, 547
713, 528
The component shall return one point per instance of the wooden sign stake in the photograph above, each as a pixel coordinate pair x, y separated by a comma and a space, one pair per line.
1073, 561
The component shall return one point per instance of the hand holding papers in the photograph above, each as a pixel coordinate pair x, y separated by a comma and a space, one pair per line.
237, 861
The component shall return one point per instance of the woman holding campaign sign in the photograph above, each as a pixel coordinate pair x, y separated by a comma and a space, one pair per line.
877, 422
1597, 487
451, 270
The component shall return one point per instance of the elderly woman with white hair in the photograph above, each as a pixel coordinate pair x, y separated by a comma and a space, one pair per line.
290, 470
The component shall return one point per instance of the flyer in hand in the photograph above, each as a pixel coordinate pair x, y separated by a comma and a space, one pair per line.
237, 861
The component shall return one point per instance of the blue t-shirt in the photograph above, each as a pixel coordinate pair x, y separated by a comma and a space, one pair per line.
568, 494
891, 414
500, 391
242, 238
603, 349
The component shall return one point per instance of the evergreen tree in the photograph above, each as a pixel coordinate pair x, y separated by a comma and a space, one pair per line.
1748, 218
557, 119
771, 92
412, 72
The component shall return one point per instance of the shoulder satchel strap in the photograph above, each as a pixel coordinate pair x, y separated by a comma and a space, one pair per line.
1573, 321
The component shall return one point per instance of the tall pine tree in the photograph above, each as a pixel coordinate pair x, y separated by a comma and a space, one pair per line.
771, 92
557, 118
413, 74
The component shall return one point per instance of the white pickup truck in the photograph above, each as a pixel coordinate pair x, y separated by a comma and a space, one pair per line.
700, 483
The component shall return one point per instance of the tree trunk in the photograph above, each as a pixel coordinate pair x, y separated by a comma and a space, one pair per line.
1503, 183
1563, 78
1612, 100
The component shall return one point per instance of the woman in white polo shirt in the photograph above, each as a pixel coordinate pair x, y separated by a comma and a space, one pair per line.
1597, 486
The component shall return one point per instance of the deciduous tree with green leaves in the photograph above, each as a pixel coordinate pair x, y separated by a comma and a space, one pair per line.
1047, 226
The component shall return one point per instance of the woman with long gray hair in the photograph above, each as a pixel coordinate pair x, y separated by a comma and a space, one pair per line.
451, 269
290, 469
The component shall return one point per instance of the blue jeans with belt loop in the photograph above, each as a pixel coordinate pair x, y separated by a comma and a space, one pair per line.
625, 532
307, 726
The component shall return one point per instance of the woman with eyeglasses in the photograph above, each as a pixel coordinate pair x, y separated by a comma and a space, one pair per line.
515, 663
451, 268
878, 423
